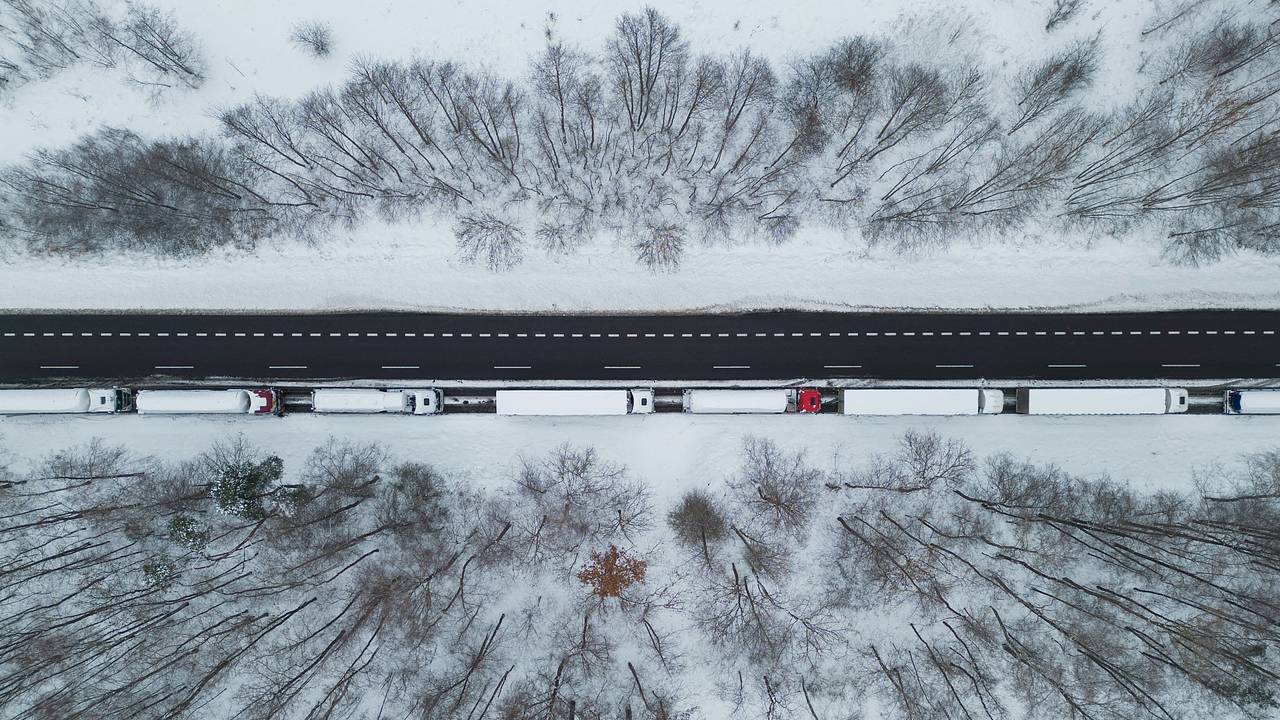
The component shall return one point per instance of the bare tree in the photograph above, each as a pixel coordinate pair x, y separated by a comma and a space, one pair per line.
1044, 87
485, 237
646, 55
660, 246
779, 490
162, 53
1061, 12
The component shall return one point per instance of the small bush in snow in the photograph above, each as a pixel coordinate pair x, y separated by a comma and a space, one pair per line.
487, 238
159, 572
188, 532
660, 246
697, 518
313, 37
241, 486
611, 572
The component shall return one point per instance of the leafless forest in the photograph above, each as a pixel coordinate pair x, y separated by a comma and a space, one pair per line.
658, 145
922, 583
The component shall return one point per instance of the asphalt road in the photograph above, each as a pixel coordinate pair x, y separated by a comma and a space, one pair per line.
951, 346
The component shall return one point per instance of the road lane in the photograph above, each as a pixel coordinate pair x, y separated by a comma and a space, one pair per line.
947, 346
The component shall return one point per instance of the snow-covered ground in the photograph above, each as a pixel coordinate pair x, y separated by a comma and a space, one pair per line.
674, 452
413, 265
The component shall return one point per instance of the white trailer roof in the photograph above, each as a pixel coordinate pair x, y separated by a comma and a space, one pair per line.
1096, 401
193, 401
736, 401
358, 400
1265, 402
909, 401
69, 400
562, 402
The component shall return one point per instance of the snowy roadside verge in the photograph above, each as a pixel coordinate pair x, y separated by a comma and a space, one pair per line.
414, 267
674, 452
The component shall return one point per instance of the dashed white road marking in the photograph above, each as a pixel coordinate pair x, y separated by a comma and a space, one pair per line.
512, 367
621, 367
842, 367
1180, 365
286, 367
59, 367
953, 366
175, 367
399, 367
730, 367
1067, 365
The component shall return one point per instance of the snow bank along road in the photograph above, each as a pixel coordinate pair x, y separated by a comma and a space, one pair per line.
395, 346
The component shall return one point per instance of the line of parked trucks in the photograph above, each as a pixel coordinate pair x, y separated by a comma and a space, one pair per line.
576, 402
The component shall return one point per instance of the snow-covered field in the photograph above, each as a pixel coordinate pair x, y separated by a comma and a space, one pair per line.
674, 452
413, 265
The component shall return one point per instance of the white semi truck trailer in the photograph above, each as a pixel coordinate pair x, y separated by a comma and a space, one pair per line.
420, 401
1252, 402
736, 402
65, 401
258, 401
921, 401
1101, 401
574, 402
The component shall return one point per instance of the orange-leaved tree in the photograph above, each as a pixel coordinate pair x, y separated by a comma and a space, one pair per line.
611, 572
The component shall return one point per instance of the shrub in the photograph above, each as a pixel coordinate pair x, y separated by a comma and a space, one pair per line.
611, 572
313, 37
697, 517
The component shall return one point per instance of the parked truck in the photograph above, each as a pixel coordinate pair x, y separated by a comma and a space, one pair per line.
1252, 402
574, 402
733, 402
256, 401
65, 400
419, 401
1101, 401
921, 401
